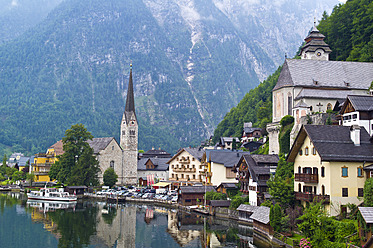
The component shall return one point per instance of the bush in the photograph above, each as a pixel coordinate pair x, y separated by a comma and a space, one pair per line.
110, 177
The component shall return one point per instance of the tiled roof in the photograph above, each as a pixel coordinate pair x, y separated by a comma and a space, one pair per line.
333, 143
220, 203
361, 102
265, 158
301, 104
196, 189
58, 147
229, 185
156, 153
367, 213
323, 94
99, 144
261, 215
251, 129
260, 165
226, 157
161, 164
247, 208
336, 74
195, 152
23, 160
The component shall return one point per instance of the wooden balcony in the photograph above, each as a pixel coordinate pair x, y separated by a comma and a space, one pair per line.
309, 197
306, 178
184, 169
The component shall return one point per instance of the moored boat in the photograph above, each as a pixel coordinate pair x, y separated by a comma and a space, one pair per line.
51, 194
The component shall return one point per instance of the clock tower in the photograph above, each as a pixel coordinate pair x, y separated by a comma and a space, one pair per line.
129, 137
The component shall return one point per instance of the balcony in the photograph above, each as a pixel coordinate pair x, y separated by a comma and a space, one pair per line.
306, 178
309, 197
184, 169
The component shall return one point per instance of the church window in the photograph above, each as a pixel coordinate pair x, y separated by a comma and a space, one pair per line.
329, 106
123, 132
112, 148
290, 104
132, 132
112, 164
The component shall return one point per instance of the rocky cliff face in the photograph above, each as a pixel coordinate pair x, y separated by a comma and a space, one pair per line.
192, 61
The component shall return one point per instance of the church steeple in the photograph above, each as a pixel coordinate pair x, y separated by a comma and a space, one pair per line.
130, 103
315, 47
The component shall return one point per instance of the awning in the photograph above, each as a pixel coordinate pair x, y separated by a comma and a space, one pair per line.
161, 184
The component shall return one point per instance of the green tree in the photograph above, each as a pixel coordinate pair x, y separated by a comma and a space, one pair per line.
275, 216
4, 160
110, 177
31, 178
77, 165
368, 192
313, 221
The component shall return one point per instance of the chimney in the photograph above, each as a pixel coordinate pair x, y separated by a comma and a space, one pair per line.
355, 134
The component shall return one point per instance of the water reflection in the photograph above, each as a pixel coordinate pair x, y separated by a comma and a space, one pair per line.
96, 224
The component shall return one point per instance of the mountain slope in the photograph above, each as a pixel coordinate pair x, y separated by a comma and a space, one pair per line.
192, 61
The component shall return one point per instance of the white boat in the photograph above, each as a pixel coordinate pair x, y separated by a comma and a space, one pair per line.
51, 194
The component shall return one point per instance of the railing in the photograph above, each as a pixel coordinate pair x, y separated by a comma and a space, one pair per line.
184, 169
309, 197
42, 165
306, 178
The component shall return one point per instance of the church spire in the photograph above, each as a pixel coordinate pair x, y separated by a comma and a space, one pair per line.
130, 102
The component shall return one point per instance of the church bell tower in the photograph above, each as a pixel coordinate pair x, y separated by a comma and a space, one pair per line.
129, 137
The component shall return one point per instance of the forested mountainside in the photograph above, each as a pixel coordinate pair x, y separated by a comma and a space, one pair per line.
17, 16
348, 31
192, 61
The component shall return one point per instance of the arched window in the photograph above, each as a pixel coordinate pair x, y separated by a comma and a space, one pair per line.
112, 164
329, 106
290, 104
323, 190
306, 151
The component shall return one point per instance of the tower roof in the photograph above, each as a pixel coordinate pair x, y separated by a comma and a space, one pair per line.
130, 103
315, 40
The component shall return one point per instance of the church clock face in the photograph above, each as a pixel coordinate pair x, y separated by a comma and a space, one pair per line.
318, 54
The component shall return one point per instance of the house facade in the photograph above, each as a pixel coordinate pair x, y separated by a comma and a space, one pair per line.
185, 168
156, 167
329, 165
250, 133
218, 165
253, 172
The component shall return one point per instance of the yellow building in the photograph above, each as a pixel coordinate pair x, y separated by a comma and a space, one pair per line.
43, 162
329, 165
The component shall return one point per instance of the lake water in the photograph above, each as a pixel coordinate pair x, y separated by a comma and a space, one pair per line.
97, 224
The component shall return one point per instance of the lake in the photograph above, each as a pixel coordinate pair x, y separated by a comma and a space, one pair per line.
97, 224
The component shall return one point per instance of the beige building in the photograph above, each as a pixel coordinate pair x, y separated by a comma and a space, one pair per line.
218, 165
329, 165
313, 84
185, 168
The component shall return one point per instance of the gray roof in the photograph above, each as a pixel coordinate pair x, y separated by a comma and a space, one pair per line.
226, 157
367, 213
23, 160
161, 164
323, 94
333, 143
229, 185
260, 164
130, 101
196, 189
247, 208
251, 129
361, 102
99, 144
301, 104
261, 215
195, 152
156, 153
336, 74
220, 203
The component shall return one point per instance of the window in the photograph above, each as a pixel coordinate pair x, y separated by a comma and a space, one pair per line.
323, 190
360, 192
306, 151
344, 192
112, 164
323, 171
299, 170
112, 148
329, 106
360, 172
299, 188
314, 151
354, 116
300, 152
344, 171
194, 176
123, 132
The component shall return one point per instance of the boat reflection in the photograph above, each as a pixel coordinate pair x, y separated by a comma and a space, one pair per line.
48, 206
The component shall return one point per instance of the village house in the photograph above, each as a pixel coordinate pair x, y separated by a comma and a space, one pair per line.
155, 153
366, 227
218, 165
253, 172
250, 133
185, 168
227, 143
261, 223
193, 195
155, 167
245, 211
227, 188
329, 165
313, 84
358, 110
